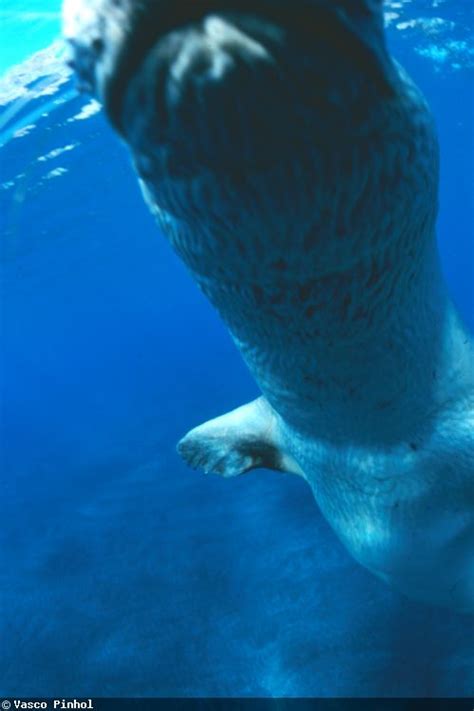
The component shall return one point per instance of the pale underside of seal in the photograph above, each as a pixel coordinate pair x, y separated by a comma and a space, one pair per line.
294, 168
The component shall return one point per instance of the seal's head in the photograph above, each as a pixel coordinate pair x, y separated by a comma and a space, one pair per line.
194, 66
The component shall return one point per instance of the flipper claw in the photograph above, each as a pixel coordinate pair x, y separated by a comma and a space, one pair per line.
237, 442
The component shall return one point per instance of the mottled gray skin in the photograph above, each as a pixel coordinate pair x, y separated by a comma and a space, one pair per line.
296, 174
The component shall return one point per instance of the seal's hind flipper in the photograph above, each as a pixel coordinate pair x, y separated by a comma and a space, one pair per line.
237, 442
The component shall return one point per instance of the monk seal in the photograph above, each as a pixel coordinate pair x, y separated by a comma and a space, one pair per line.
293, 166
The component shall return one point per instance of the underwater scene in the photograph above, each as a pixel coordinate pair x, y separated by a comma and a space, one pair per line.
124, 573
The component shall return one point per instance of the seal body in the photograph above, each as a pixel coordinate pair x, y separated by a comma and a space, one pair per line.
294, 167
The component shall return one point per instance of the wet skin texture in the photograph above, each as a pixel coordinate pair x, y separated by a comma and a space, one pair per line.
294, 168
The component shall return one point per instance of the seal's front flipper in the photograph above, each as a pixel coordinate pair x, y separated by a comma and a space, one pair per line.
237, 442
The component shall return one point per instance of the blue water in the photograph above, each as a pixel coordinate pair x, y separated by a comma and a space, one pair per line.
25, 27
122, 572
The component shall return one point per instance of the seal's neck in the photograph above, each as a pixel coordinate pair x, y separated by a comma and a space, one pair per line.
359, 353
